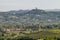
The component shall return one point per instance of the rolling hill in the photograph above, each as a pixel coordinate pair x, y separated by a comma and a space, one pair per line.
26, 16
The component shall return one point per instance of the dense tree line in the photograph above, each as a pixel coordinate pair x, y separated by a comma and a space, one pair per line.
30, 26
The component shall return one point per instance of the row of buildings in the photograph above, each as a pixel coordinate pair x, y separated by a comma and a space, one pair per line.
12, 29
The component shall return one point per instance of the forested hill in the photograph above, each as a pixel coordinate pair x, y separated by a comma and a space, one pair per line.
34, 15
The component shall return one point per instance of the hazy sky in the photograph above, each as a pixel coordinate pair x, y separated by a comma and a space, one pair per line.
28, 4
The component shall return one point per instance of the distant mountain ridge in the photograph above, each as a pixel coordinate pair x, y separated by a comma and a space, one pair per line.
55, 10
34, 15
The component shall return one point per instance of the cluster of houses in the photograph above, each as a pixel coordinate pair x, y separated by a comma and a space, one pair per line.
12, 29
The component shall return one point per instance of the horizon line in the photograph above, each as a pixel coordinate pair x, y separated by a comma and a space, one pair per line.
28, 9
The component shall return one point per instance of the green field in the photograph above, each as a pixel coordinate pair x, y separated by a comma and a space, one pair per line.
49, 34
